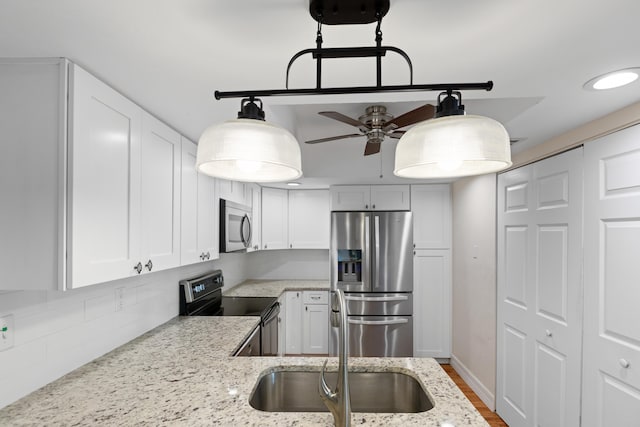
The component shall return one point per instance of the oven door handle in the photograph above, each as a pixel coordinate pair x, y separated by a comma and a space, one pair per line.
378, 322
377, 299
272, 313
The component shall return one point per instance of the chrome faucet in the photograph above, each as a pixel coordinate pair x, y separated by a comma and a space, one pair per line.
339, 401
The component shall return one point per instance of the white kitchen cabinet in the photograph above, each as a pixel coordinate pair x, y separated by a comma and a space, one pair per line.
199, 220
275, 218
256, 217
315, 322
160, 195
293, 322
233, 191
431, 207
309, 219
432, 303
105, 191
370, 197
306, 322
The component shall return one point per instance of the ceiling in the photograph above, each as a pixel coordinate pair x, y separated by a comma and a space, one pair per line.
170, 56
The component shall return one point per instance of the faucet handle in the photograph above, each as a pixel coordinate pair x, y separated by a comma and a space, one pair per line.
325, 392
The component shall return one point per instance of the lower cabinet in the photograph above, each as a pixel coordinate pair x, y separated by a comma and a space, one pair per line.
306, 319
432, 303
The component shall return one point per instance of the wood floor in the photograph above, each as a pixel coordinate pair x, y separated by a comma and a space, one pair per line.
492, 418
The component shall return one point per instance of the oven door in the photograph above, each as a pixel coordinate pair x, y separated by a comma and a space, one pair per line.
235, 227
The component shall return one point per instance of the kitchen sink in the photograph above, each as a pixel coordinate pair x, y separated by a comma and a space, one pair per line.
382, 392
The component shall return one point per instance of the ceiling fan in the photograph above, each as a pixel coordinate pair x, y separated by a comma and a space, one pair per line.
376, 124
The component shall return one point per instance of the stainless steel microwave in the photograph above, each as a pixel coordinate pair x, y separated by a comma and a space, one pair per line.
235, 226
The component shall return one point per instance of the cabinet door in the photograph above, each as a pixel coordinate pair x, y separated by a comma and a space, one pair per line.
315, 325
539, 303
160, 195
199, 230
275, 213
431, 207
104, 179
611, 362
309, 219
293, 325
432, 303
254, 191
233, 191
390, 198
189, 205
350, 197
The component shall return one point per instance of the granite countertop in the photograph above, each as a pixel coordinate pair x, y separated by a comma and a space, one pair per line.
181, 374
274, 288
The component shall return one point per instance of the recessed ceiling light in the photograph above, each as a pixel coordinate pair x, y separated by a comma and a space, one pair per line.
293, 184
613, 79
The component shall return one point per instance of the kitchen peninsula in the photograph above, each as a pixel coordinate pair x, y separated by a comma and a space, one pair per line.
181, 373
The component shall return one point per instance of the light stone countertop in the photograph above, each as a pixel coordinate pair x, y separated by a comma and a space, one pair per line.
274, 288
180, 374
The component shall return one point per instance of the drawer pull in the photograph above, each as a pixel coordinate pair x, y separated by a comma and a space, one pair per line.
624, 363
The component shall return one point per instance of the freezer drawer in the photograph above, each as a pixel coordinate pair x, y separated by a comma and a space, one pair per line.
375, 304
378, 336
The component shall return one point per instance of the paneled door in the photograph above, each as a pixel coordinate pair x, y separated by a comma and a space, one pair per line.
539, 322
611, 366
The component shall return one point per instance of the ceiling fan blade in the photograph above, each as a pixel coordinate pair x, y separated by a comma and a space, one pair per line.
372, 148
397, 134
333, 138
419, 114
341, 118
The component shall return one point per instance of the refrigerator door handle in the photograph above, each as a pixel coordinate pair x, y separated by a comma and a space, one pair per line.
377, 299
376, 236
378, 322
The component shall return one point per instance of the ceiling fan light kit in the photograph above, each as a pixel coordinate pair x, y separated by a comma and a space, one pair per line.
249, 149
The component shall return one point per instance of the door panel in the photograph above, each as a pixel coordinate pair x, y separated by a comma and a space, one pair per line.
392, 250
539, 292
611, 366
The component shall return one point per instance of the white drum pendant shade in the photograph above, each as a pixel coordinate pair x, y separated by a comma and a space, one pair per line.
249, 150
453, 146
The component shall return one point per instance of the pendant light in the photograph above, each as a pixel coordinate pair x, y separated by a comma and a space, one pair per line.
249, 148
453, 144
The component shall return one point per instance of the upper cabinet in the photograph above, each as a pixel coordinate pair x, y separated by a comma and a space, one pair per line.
234, 191
275, 218
370, 197
309, 219
199, 230
295, 219
431, 207
105, 140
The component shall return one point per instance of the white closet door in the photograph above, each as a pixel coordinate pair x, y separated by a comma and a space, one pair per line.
539, 292
611, 375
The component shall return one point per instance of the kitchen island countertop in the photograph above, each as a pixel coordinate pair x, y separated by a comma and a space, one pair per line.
181, 374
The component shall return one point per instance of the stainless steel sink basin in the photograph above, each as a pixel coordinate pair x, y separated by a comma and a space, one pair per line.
297, 391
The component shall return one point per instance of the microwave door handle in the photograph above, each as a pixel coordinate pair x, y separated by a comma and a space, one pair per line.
245, 239
376, 237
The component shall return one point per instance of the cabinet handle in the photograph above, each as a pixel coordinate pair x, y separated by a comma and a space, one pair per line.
208, 255
373, 206
265, 246
306, 308
624, 363
291, 245
366, 206
149, 265
138, 267
548, 333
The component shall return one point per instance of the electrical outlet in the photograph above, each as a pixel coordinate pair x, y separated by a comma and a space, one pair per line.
6, 332
119, 299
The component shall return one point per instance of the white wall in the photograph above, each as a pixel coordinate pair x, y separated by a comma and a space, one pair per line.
474, 283
302, 264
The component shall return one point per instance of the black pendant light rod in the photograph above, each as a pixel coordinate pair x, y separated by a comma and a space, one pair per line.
355, 90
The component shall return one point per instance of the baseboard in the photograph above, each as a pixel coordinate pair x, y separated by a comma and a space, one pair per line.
478, 388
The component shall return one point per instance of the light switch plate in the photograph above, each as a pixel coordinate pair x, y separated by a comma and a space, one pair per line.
6, 332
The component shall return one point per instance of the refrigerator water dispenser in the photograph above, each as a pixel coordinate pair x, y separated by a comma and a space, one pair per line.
350, 265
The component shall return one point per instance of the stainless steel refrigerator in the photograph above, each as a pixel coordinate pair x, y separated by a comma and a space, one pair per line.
372, 262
